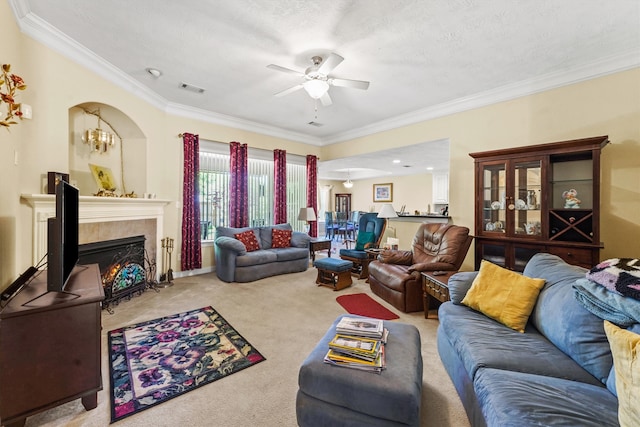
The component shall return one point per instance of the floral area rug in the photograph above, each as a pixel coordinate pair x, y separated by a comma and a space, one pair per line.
160, 359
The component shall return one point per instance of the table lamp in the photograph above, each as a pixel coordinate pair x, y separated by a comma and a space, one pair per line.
387, 211
307, 214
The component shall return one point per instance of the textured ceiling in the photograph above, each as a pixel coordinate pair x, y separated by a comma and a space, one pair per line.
423, 58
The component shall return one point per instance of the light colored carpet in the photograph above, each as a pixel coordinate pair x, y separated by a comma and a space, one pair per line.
283, 317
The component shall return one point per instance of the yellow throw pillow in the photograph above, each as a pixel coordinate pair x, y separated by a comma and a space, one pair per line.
503, 295
625, 348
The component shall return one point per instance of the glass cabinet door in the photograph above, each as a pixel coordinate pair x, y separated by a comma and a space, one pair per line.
343, 203
494, 187
526, 205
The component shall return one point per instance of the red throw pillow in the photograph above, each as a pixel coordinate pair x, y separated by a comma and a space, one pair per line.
280, 238
248, 238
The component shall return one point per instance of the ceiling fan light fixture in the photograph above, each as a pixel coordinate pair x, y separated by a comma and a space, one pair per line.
316, 88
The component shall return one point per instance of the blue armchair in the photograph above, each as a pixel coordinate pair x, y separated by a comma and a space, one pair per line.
370, 231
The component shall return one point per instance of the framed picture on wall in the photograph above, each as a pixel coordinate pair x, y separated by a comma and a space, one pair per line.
383, 192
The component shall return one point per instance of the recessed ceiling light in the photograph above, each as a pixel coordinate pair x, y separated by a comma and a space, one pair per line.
396, 161
154, 72
429, 168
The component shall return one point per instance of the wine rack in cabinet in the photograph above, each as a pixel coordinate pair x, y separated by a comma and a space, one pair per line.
539, 198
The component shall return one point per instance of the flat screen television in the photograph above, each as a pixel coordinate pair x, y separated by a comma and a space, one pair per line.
62, 237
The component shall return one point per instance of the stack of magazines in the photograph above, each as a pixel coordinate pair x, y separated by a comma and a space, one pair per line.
358, 344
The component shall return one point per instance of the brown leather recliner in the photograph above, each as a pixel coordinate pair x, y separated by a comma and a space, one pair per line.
395, 275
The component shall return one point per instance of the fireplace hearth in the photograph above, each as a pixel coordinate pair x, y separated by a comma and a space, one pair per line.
122, 267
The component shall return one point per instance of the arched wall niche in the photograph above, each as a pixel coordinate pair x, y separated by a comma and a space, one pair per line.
127, 160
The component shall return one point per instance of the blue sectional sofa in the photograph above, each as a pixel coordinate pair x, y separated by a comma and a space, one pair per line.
559, 372
235, 264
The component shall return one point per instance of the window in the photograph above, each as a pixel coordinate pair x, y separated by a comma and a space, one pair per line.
214, 188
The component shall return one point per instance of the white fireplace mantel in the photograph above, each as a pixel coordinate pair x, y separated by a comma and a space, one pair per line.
93, 209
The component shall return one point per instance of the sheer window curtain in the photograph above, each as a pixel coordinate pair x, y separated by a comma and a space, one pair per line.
280, 186
312, 191
238, 186
191, 257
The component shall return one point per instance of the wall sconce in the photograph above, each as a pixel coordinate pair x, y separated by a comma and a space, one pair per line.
98, 139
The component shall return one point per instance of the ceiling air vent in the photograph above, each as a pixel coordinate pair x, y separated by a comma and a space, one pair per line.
316, 124
191, 88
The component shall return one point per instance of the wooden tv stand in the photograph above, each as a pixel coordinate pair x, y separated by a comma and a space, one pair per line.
50, 346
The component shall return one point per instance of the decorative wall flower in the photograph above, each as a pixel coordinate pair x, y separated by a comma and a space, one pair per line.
9, 83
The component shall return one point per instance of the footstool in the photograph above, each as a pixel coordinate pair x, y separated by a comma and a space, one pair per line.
334, 273
336, 396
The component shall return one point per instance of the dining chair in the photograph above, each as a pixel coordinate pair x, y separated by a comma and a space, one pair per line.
342, 228
330, 226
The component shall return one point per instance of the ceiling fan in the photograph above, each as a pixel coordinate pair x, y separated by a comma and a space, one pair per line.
316, 78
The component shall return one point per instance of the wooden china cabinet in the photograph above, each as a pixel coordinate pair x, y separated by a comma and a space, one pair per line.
343, 203
539, 198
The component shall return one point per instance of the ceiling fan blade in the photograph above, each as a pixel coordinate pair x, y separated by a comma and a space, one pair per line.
288, 91
330, 63
356, 84
326, 99
285, 70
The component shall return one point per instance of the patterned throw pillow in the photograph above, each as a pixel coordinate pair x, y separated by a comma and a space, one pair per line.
280, 238
248, 238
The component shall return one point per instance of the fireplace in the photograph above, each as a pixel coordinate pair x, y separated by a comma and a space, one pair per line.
122, 267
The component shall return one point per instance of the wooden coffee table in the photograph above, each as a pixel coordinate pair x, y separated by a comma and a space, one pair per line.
435, 285
319, 245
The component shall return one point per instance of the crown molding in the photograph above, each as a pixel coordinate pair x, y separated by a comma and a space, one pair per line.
603, 67
40, 30
238, 123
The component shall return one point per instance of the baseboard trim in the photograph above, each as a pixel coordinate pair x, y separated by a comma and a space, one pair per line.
196, 272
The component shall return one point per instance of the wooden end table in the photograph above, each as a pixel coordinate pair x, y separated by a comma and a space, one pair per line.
435, 285
372, 255
319, 245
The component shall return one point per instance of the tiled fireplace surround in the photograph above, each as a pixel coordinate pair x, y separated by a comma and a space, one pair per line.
103, 218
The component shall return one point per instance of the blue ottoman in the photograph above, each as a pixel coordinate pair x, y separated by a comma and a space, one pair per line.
334, 273
337, 396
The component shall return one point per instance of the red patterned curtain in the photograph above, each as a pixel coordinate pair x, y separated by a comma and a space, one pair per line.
312, 191
238, 186
280, 186
191, 257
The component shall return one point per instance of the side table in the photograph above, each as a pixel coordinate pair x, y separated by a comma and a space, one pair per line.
435, 285
319, 245
372, 255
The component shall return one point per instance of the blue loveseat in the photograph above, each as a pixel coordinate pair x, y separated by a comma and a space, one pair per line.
235, 264
559, 372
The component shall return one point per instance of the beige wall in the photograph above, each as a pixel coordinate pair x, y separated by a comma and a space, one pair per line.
608, 105
10, 143
413, 191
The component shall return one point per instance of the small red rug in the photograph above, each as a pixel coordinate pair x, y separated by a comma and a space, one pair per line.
364, 305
